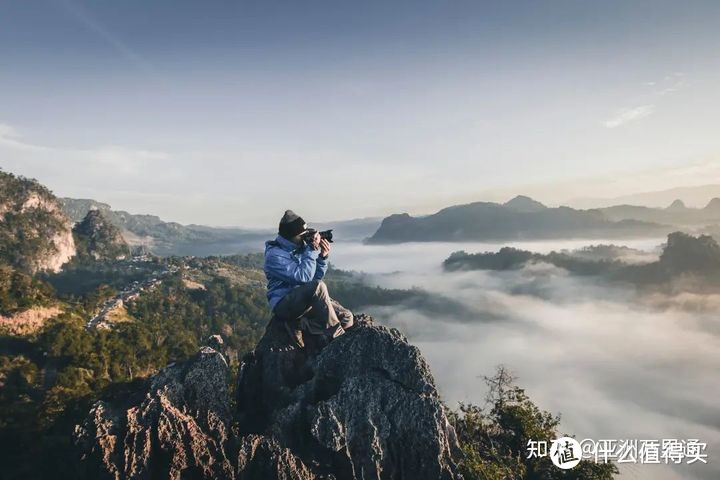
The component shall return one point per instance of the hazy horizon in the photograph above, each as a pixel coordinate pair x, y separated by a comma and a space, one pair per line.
355, 110
692, 196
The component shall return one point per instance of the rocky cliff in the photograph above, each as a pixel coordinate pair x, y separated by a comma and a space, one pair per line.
365, 407
35, 234
98, 239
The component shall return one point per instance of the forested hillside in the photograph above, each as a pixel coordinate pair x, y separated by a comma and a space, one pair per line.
694, 259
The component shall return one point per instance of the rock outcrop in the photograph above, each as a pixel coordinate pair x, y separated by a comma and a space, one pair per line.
98, 239
364, 407
35, 234
179, 428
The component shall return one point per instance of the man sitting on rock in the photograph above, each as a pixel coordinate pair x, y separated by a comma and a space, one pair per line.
295, 264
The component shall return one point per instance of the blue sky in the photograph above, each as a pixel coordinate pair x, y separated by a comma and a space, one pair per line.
227, 113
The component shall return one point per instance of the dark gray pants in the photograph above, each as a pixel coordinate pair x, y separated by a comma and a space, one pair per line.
318, 314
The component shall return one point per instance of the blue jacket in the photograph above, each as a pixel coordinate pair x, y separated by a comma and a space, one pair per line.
287, 266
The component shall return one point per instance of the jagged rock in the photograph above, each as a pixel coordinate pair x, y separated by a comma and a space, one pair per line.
365, 407
98, 438
98, 239
260, 457
216, 342
180, 429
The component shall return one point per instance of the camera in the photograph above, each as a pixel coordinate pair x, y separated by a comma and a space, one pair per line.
325, 234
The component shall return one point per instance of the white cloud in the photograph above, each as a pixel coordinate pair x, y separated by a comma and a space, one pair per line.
7, 131
616, 362
669, 84
672, 86
113, 156
628, 115
10, 137
78, 171
126, 160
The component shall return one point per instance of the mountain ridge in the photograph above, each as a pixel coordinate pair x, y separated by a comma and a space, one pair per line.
676, 213
151, 233
520, 218
691, 195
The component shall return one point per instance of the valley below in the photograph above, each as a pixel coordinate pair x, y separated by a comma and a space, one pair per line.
616, 361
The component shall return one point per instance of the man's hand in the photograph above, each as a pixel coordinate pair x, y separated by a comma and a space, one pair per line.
315, 242
324, 247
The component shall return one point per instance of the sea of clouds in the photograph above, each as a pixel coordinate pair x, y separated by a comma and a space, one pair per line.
615, 363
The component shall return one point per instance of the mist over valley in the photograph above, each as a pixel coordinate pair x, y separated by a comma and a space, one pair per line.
617, 361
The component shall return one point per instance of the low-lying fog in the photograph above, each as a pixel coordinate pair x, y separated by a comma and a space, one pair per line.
616, 365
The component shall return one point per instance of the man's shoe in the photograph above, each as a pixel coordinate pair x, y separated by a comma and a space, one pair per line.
294, 334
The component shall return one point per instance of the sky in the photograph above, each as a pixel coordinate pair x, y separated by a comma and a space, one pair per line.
230, 112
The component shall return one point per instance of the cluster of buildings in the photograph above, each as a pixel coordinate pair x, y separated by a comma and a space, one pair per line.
130, 293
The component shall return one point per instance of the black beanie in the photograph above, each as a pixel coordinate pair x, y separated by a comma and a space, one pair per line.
291, 224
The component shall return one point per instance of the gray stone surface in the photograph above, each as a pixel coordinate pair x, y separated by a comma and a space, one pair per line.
179, 429
365, 407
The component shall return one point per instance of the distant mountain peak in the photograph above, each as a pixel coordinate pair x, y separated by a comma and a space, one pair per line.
523, 203
98, 238
677, 205
713, 204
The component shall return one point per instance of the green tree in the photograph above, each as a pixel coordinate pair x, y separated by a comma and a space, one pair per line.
494, 439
